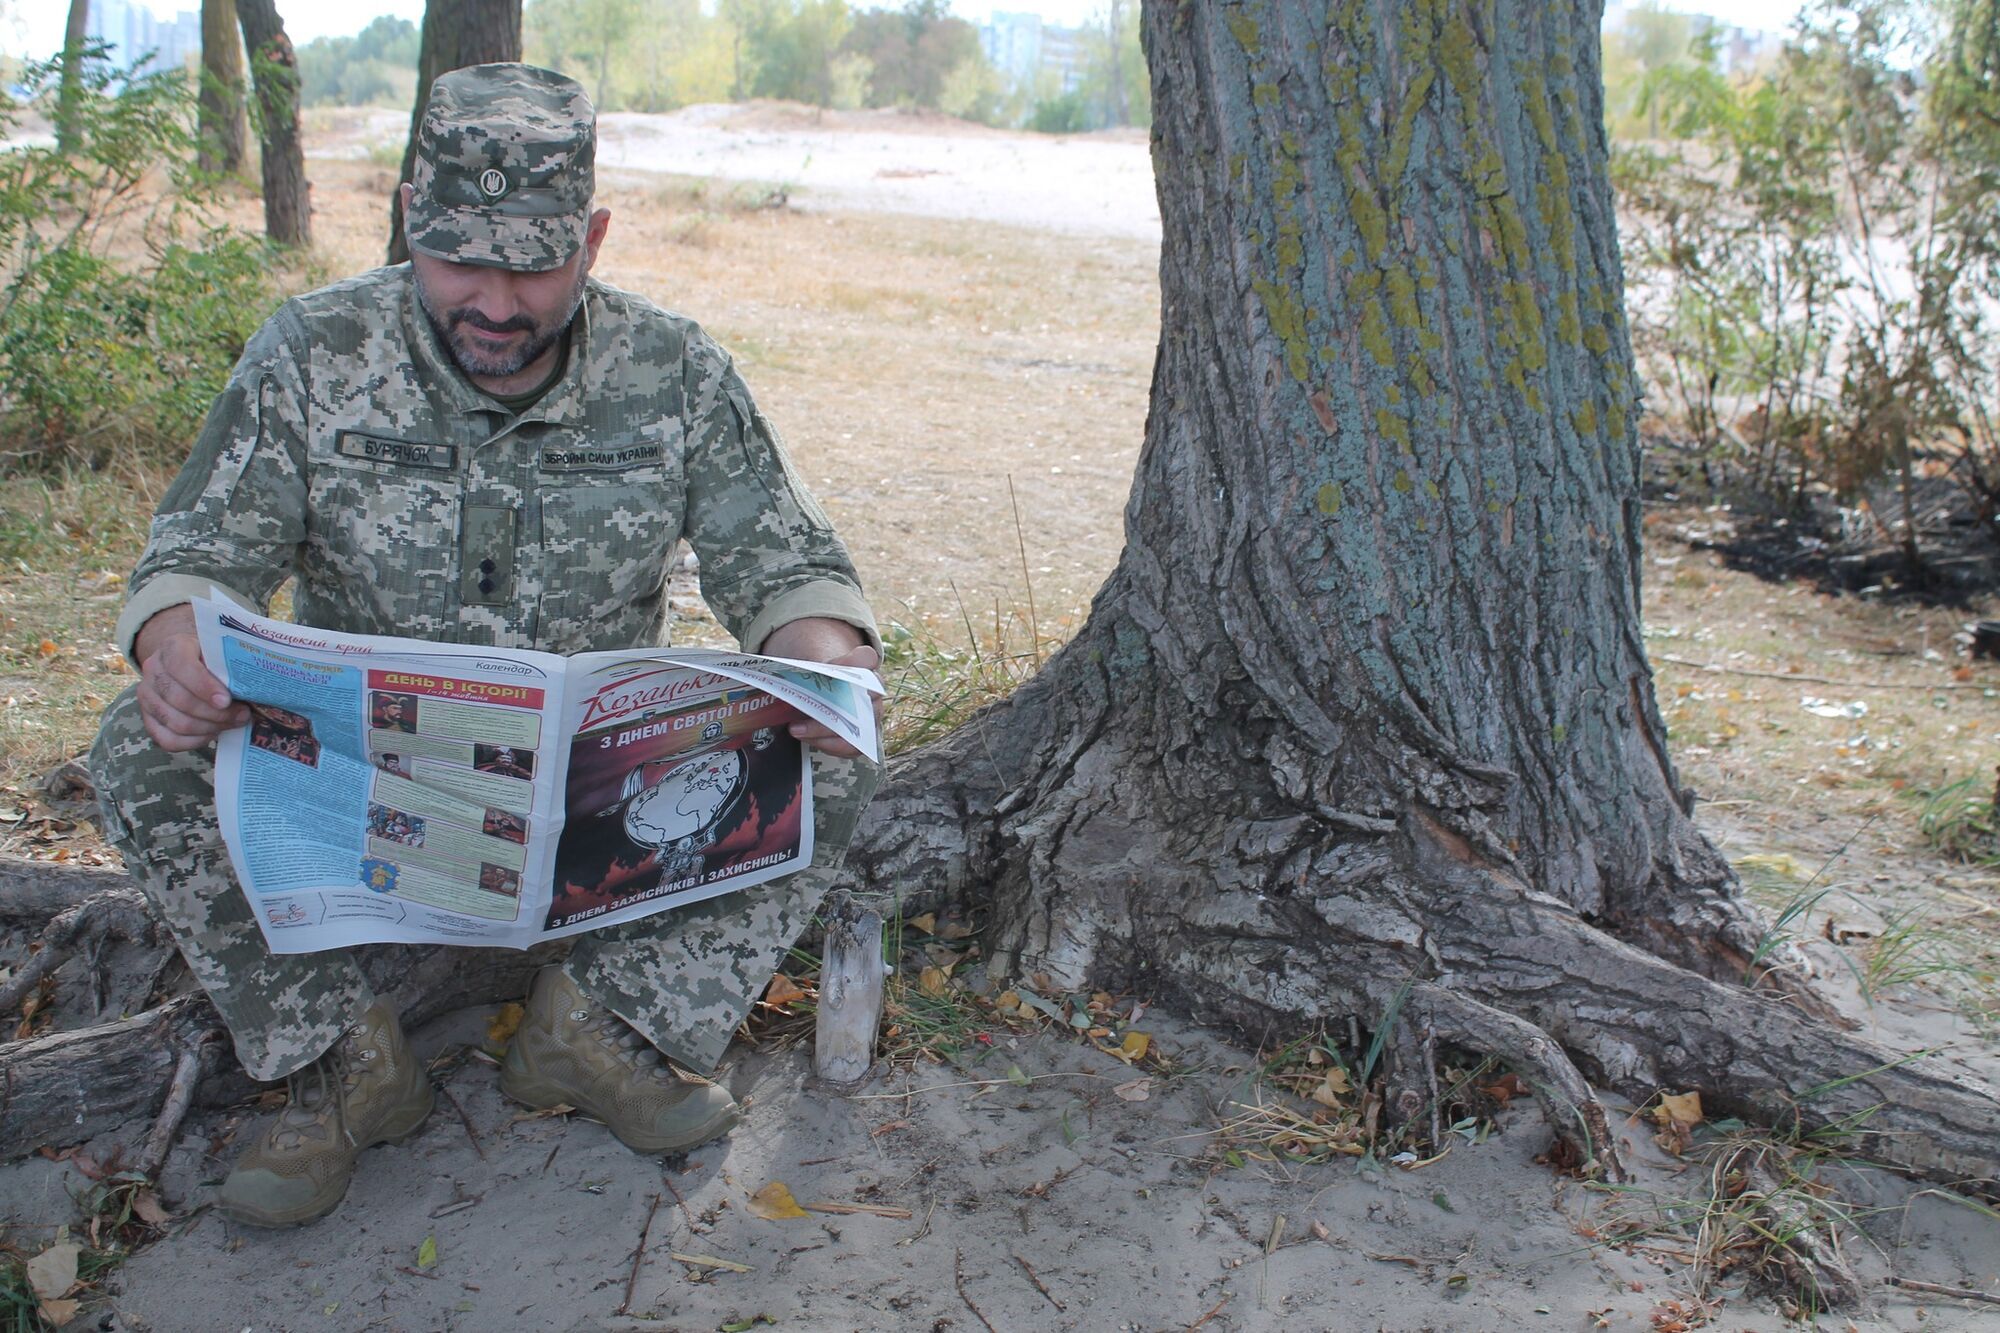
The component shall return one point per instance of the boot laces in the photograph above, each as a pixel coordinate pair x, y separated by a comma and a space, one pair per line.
316, 1097
630, 1048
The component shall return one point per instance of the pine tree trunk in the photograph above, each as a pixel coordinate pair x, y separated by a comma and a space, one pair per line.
224, 126
274, 69
1363, 718
456, 33
70, 90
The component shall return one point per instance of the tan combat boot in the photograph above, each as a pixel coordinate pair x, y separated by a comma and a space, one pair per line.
570, 1050
368, 1089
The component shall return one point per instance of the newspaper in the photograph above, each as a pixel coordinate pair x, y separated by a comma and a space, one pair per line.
392, 790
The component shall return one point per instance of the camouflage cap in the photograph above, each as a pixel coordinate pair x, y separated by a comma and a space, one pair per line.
504, 171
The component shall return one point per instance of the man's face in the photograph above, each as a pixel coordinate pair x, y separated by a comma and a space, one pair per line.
499, 322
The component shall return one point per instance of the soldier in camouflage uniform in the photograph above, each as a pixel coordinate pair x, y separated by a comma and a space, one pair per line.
481, 446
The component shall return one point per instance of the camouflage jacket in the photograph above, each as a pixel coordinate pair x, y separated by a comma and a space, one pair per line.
348, 452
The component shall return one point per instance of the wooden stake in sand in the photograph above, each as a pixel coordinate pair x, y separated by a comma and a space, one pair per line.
850, 991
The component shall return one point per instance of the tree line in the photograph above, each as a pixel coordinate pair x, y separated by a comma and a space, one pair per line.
660, 55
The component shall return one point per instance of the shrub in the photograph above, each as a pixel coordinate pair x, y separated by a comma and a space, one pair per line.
123, 303
1815, 257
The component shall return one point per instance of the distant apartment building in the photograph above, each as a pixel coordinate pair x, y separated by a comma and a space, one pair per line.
1022, 47
1737, 49
135, 35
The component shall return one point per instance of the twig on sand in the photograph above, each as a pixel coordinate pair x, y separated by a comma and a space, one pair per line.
1820, 680
466, 1120
638, 1257
1040, 1286
1210, 1315
958, 1276
1939, 1289
871, 1209
667, 1180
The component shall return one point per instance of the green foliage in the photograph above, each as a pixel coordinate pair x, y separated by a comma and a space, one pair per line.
122, 306
375, 67
1962, 820
1065, 114
913, 52
1814, 255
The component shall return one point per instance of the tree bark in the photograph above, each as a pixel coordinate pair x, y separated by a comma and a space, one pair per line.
456, 33
1364, 714
69, 91
224, 128
274, 70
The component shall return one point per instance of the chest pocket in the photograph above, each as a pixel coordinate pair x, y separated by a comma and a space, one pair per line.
382, 543
606, 537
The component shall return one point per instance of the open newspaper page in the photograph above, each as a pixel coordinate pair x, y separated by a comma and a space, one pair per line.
386, 790
392, 790
684, 779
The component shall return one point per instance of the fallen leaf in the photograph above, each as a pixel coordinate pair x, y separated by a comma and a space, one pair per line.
1505, 1088
953, 931
427, 1253
53, 1272
775, 1203
1679, 1109
503, 1023
1138, 1090
47, 648
1135, 1046
931, 981
927, 923
782, 991
146, 1206
1329, 1090
59, 1313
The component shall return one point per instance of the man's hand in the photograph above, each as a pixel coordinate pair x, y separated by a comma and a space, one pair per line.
182, 705
836, 643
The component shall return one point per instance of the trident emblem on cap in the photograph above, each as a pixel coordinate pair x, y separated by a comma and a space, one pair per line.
492, 182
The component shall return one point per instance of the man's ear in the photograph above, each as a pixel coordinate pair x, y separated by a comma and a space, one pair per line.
408, 192
593, 236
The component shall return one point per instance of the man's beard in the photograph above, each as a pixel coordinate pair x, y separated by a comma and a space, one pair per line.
490, 364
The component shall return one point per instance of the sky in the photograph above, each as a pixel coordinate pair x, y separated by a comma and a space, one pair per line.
34, 27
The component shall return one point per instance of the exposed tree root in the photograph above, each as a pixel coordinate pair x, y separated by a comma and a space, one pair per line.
114, 913
180, 1098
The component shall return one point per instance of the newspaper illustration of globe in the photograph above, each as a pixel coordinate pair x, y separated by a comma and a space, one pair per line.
689, 798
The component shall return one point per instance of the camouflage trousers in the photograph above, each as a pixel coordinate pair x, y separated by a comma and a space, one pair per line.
685, 978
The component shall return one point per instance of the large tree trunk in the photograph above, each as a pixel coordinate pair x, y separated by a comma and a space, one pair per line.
1363, 714
224, 127
69, 92
274, 69
457, 33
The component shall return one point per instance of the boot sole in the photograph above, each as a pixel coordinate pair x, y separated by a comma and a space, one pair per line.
540, 1095
396, 1133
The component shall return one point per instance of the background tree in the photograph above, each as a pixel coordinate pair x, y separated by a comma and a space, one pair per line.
71, 88
456, 33
274, 70
375, 67
911, 52
224, 125
1362, 722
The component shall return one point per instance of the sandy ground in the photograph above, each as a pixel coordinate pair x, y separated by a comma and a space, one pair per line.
1038, 1196
879, 161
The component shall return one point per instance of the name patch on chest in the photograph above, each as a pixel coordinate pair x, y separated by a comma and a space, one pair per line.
604, 458
402, 453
